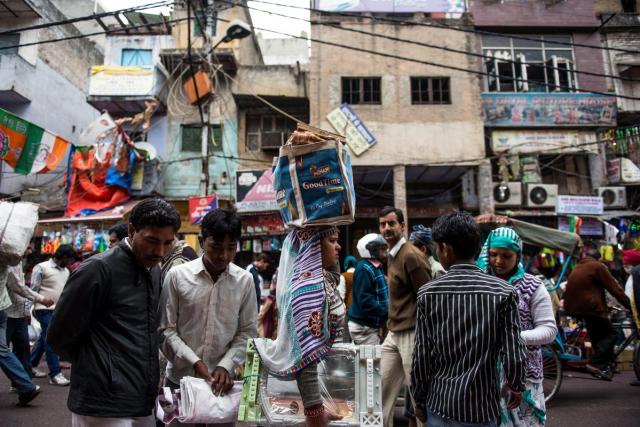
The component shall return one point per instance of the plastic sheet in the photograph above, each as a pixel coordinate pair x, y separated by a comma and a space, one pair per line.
350, 386
17, 223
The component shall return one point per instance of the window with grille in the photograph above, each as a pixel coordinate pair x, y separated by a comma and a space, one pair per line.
430, 90
7, 40
361, 90
267, 131
544, 64
192, 138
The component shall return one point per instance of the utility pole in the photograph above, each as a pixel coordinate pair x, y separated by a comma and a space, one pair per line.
204, 188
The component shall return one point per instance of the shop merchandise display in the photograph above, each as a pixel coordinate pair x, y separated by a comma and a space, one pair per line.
350, 384
81, 238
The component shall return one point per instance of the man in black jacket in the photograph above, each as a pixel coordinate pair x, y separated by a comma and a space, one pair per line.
106, 323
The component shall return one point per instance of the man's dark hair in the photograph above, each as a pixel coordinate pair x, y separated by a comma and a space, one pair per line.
264, 257
390, 209
154, 213
65, 251
460, 231
221, 222
593, 253
120, 230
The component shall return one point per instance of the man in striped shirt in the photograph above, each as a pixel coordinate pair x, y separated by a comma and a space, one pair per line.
467, 322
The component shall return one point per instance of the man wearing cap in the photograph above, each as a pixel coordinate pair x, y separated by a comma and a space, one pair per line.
421, 239
370, 303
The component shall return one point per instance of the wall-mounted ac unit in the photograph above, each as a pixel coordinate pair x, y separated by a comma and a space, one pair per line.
540, 195
507, 194
613, 197
272, 140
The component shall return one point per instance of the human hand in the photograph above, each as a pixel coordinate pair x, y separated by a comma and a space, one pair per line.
47, 302
512, 397
222, 381
201, 371
419, 413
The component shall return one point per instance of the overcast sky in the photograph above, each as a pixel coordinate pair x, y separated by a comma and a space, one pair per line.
260, 19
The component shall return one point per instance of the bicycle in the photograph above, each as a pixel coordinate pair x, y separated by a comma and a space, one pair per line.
568, 348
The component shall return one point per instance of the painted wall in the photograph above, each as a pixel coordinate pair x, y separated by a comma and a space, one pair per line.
534, 13
407, 134
115, 45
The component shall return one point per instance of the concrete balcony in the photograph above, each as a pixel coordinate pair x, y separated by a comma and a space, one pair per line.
621, 21
17, 80
122, 91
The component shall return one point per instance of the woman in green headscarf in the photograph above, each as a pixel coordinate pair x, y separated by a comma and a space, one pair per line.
501, 256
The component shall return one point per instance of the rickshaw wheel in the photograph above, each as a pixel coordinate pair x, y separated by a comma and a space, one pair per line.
552, 371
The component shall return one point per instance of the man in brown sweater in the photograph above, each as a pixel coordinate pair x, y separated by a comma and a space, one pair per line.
407, 271
585, 298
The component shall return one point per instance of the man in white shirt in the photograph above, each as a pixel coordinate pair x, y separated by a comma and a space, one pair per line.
48, 279
208, 308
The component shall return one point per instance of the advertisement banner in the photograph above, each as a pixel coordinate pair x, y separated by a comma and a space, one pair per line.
391, 6
346, 122
200, 206
254, 191
580, 205
548, 109
589, 226
629, 172
547, 141
613, 171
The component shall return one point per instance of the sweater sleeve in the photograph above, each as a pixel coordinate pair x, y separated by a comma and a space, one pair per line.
418, 270
545, 328
611, 285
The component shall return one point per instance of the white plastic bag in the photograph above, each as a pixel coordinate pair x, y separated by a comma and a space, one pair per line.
17, 223
196, 403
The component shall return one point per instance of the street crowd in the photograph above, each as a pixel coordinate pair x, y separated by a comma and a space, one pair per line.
460, 323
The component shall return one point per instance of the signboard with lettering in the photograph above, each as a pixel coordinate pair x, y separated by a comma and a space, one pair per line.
200, 206
589, 226
113, 80
580, 205
255, 191
629, 172
548, 109
391, 6
346, 122
548, 141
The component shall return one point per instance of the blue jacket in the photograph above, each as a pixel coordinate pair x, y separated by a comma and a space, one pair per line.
370, 296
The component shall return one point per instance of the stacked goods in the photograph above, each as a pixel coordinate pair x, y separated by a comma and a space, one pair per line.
313, 179
17, 224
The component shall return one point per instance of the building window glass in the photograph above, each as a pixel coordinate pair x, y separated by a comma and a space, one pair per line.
361, 90
136, 57
267, 131
430, 90
9, 40
192, 138
540, 65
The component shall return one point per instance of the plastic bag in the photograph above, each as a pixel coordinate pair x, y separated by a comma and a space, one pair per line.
314, 181
17, 224
196, 403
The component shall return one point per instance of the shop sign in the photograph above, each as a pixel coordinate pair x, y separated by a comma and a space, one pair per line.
629, 172
115, 80
589, 226
391, 6
346, 122
580, 205
255, 191
200, 206
548, 109
548, 141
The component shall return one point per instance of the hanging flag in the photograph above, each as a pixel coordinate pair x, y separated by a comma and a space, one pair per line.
28, 148
91, 134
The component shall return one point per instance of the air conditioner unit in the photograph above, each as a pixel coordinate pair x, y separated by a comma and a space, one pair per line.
507, 194
613, 197
540, 195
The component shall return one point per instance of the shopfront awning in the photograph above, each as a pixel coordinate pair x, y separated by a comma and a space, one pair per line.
113, 214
